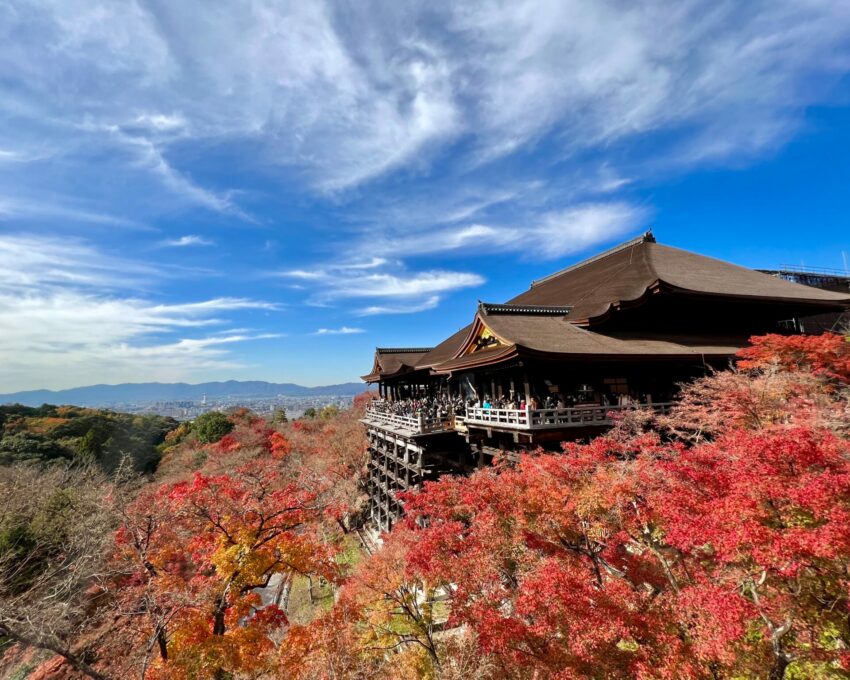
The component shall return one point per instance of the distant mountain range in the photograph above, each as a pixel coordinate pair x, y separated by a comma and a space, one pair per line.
104, 395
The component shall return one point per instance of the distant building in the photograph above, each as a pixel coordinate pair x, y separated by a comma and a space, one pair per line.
621, 328
827, 279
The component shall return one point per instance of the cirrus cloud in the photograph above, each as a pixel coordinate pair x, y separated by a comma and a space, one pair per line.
342, 330
70, 312
357, 92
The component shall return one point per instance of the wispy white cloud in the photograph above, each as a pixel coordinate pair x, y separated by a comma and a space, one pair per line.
160, 122
343, 330
71, 315
30, 262
62, 339
340, 282
395, 308
550, 234
188, 240
359, 91
58, 209
382, 280
151, 157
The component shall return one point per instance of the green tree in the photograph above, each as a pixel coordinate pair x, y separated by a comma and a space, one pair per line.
280, 415
90, 446
212, 426
310, 412
329, 412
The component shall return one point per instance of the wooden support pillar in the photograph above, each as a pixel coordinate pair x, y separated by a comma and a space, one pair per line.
526, 386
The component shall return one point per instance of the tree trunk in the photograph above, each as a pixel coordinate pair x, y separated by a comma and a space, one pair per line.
66, 654
218, 620
221, 608
162, 642
780, 659
780, 663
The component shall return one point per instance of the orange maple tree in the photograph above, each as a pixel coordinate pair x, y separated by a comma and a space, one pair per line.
200, 553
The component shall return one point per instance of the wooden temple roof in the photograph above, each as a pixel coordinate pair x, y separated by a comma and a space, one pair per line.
446, 350
513, 335
551, 319
631, 270
391, 362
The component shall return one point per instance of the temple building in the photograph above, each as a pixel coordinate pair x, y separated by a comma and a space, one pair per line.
620, 329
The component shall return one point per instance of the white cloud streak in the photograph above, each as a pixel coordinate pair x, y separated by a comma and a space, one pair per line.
33, 262
400, 291
338, 282
343, 330
57, 209
395, 308
68, 319
550, 235
188, 240
347, 93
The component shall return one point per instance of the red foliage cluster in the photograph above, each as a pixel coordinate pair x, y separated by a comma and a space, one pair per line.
644, 554
825, 355
672, 562
712, 543
197, 553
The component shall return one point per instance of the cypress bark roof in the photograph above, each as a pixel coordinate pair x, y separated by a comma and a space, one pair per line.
542, 320
445, 350
395, 361
629, 271
531, 335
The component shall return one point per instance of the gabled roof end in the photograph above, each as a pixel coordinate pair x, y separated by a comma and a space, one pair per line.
403, 350
646, 237
539, 310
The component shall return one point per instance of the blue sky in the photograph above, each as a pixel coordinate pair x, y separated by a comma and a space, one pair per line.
267, 190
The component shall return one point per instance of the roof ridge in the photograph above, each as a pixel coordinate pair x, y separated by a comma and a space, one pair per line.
646, 237
402, 350
551, 310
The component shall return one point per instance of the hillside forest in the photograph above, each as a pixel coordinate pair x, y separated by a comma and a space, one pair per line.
712, 542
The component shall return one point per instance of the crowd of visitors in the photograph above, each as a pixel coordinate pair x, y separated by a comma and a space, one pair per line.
443, 406
432, 408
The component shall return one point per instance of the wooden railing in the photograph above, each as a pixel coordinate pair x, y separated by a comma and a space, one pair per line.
515, 419
418, 424
551, 418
